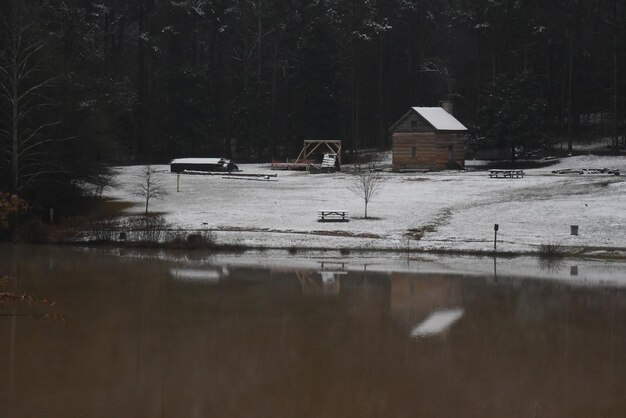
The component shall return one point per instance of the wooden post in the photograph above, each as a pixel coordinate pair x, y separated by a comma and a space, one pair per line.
178, 182
495, 236
51, 216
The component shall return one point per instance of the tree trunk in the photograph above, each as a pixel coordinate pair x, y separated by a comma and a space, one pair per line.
355, 128
274, 132
570, 82
15, 43
141, 111
615, 80
494, 53
15, 169
477, 111
259, 43
382, 129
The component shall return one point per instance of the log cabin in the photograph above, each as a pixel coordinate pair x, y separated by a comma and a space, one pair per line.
428, 138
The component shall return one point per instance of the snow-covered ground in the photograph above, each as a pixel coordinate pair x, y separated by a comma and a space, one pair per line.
454, 210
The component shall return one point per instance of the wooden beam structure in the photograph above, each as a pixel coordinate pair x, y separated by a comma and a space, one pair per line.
311, 145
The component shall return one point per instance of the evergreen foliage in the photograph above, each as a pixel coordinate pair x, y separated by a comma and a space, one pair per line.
149, 80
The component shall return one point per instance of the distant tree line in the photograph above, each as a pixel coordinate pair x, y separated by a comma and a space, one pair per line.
149, 80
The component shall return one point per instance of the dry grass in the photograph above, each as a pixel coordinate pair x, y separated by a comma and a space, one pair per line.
551, 250
107, 209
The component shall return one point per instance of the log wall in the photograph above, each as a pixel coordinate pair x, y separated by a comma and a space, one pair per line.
431, 149
405, 125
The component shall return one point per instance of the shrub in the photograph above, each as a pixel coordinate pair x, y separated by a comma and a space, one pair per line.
11, 207
105, 231
146, 228
181, 239
551, 250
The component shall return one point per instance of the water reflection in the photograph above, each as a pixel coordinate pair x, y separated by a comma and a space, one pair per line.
437, 323
146, 338
206, 275
551, 265
326, 280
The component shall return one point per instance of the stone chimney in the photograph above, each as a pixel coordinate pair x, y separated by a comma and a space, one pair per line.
447, 105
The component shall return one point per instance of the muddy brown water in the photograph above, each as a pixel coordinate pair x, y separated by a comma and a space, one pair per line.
84, 334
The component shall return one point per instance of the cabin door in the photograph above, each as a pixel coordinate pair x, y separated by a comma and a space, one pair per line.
450, 153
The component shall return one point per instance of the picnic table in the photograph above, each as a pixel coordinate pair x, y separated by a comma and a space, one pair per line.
506, 173
332, 216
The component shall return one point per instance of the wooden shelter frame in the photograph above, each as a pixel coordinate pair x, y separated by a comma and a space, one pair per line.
311, 145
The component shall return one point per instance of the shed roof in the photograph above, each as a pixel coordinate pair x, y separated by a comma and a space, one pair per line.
436, 117
440, 119
198, 161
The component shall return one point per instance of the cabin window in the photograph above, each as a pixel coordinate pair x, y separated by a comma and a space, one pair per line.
413, 152
414, 124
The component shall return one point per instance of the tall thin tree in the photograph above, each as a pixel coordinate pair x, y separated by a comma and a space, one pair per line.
148, 187
23, 85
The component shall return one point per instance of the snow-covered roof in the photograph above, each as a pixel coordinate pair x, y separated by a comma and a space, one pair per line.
440, 119
198, 161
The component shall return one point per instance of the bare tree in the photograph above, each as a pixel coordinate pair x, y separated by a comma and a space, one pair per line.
149, 188
25, 145
366, 184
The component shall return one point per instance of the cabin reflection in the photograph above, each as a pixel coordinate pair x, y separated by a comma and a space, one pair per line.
415, 299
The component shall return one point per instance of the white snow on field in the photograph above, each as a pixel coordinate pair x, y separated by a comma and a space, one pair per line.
454, 210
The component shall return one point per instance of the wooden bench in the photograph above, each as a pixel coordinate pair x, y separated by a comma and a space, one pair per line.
332, 216
506, 173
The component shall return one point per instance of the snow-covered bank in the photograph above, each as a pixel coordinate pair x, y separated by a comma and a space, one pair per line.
210, 267
450, 210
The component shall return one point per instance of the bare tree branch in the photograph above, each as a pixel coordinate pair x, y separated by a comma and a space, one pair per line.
23, 63
37, 130
149, 188
366, 184
32, 177
23, 91
36, 87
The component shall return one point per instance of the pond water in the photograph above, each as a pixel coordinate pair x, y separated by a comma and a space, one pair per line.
87, 334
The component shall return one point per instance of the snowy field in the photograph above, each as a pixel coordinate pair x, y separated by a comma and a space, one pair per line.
451, 210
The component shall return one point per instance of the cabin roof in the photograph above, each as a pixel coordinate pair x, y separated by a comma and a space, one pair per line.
440, 119
436, 117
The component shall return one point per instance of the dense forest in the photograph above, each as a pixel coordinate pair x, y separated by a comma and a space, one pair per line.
84, 83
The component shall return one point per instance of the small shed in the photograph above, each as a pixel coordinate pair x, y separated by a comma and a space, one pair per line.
180, 165
428, 138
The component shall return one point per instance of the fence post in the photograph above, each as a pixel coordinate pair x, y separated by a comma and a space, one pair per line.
495, 235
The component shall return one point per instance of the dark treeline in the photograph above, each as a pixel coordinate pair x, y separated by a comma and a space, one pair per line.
149, 80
